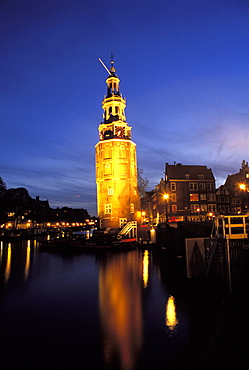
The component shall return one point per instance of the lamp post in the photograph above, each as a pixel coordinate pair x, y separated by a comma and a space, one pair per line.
166, 197
243, 189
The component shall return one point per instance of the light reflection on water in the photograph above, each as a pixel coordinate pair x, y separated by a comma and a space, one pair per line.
170, 315
106, 310
146, 268
8, 264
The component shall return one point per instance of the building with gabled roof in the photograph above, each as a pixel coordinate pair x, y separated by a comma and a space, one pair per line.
190, 188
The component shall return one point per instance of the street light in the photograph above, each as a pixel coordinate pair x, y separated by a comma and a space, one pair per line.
166, 197
243, 188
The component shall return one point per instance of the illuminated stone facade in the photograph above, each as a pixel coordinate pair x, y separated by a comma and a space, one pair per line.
116, 162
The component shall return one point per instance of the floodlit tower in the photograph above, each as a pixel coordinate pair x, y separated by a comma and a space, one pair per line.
115, 158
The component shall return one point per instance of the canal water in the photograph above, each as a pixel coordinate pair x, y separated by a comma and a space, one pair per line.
97, 310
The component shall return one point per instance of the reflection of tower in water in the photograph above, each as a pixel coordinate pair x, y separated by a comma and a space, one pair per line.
120, 303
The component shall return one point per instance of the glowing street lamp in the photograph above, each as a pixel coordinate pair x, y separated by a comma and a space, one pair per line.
243, 188
166, 197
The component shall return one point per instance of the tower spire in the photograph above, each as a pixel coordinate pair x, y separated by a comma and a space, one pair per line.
112, 69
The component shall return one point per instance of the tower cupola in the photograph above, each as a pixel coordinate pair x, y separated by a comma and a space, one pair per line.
114, 120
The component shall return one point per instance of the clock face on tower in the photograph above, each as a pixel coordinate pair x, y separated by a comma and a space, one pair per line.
119, 131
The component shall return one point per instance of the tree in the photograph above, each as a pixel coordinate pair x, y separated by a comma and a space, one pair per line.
142, 183
3, 188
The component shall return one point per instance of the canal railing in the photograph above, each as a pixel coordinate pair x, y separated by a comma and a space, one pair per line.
226, 252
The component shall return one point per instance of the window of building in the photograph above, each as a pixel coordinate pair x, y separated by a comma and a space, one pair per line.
107, 151
110, 191
108, 208
200, 177
174, 208
211, 207
194, 197
116, 110
173, 197
110, 110
202, 186
211, 197
210, 186
187, 176
193, 186
108, 168
194, 207
122, 151
203, 197
227, 199
233, 200
173, 186
203, 207
247, 175
132, 207
122, 221
123, 169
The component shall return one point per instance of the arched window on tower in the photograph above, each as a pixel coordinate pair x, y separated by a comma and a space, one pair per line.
116, 110
122, 151
108, 153
110, 110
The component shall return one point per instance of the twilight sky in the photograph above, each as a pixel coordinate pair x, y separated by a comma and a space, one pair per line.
184, 70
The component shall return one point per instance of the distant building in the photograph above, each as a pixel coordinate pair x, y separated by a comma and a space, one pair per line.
238, 187
190, 189
116, 162
223, 200
157, 210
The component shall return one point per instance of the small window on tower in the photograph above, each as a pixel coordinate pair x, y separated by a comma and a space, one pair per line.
110, 191
108, 208
110, 110
132, 207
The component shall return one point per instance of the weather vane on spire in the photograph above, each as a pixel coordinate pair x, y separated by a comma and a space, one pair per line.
112, 57
112, 70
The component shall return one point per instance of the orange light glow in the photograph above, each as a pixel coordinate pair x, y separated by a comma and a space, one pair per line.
170, 314
27, 264
8, 264
121, 309
146, 268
